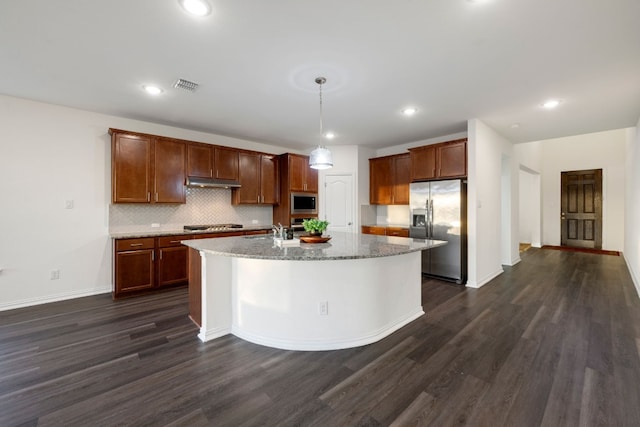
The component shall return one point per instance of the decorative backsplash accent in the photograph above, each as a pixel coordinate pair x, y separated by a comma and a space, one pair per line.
204, 206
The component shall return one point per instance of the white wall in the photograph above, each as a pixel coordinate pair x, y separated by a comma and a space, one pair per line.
632, 206
601, 150
50, 154
486, 150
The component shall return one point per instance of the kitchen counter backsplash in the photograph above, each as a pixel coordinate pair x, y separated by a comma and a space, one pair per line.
204, 206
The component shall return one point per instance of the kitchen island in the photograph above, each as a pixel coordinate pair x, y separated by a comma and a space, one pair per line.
350, 291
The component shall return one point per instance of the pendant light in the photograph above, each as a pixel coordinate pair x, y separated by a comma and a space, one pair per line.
320, 158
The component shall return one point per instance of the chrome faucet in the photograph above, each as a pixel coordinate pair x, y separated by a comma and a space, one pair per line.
278, 232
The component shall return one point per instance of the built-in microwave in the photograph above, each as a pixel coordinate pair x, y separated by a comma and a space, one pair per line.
304, 203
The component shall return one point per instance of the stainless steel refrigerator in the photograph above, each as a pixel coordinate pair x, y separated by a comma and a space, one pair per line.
438, 211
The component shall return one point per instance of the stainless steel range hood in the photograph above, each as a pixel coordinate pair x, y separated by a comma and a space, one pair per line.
193, 181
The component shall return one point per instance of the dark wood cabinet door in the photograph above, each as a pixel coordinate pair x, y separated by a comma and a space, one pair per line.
200, 161
402, 178
226, 163
249, 192
297, 172
131, 168
423, 163
269, 179
452, 160
169, 171
311, 178
134, 271
381, 181
173, 265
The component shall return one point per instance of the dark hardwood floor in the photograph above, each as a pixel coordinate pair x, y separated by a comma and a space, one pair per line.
554, 341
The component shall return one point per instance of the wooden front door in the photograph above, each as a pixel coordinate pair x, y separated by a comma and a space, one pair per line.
581, 216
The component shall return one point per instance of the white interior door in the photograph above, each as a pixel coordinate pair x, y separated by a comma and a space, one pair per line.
339, 202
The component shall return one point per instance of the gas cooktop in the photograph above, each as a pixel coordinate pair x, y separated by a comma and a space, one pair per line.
211, 227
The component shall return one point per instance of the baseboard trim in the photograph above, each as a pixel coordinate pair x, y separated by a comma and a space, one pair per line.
28, 302
634, 277
328, 344
485, 280
585, 250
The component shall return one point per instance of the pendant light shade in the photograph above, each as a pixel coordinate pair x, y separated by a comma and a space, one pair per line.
320, 158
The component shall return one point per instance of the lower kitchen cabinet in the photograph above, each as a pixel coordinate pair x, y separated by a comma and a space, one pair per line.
374, 229
173, 260
148, 264
134, 266
381, 230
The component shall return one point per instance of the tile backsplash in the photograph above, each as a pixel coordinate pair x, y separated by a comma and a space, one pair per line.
393, 214
204, 206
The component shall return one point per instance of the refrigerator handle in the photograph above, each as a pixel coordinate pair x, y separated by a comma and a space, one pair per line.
431, 220
428, 219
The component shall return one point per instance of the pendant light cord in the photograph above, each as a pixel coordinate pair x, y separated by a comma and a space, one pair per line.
321, 131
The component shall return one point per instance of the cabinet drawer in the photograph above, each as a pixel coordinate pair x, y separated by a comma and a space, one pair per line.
380, 231
397, 231
134, 244
168, 241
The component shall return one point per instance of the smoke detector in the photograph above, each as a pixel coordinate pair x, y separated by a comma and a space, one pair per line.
186, 85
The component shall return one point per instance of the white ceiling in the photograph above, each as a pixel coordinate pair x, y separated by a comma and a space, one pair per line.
256, 61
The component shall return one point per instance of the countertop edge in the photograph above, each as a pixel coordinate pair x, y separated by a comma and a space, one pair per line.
198, 245
160, 233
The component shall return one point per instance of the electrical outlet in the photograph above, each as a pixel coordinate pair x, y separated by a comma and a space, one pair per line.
68, 204
323, 308
55, 274
254, 221
155, 225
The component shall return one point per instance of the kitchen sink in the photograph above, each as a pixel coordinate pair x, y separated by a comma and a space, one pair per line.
259, 236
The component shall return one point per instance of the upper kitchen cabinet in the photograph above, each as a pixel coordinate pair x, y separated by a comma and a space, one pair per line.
200, 160
402, 179
226, 163
389, 178
209, 161
300, 176
437, 161
258, 180
147, 169
169, 171
130, 168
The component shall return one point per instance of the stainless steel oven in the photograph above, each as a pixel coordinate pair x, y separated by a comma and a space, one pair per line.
304, 203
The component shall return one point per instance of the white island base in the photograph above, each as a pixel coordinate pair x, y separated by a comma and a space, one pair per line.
309, 305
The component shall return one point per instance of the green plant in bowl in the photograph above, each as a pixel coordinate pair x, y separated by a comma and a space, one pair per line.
314, 226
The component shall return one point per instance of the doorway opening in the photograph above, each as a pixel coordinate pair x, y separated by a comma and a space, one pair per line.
581, 209
530, 227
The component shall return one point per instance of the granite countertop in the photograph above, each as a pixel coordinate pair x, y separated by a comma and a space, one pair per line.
341, 246
147, 233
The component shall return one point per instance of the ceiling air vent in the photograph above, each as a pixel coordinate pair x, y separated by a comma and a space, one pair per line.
186, 85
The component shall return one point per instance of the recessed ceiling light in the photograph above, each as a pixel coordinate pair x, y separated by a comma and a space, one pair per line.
152, 90
551, 104
196, 7
329, 135
409, 111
